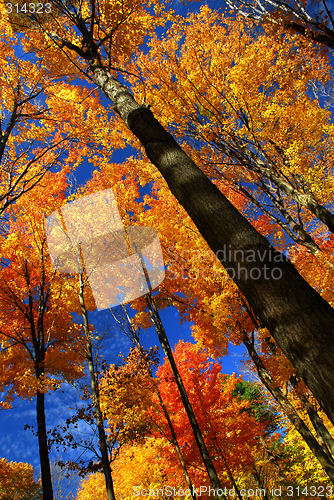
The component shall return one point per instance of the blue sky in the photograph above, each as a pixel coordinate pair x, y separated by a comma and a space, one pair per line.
17, 444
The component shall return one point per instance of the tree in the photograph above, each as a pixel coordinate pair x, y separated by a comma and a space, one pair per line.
217, 309
294, 313
314, 22
132, 331
231, 119
229, 430
139, 467
17, 481
95, 394
65, 482
39, 340
29, 145
92, 487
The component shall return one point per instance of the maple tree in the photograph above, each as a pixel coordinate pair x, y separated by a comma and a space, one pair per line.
217, 411
91, 413
294, 313
92, 487
139, 467
17, 481
146, 474
96, 396
35, 135
84, 36
232, 121
39, 341
209, 300
132, 330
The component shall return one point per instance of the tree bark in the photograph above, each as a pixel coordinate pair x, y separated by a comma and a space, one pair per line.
299, 319
43, 447
324, 460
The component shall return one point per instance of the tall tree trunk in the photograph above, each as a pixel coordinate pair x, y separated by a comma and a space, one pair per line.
183, 394
324, 460
43, 447
231, 477
37, 333
299, 319
324, 436
177, 447
136, 341
96, 400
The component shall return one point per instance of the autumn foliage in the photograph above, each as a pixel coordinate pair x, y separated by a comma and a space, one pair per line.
251, 106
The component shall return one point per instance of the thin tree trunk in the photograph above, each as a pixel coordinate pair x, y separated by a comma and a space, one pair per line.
273, 459
231, 478
183, 394
96, 400
177, 448
324, 436
326, 463
257, 478
43, 447
37, 333
136, 341
299, 319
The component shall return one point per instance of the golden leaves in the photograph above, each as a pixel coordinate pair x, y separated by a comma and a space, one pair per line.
17, 481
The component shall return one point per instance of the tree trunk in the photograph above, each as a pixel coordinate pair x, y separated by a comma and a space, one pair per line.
257, 478
183, 394
136, 341
231, 478
43, 447
326, 463
177, 447
324, 436
299, 319
96, 400
273, 459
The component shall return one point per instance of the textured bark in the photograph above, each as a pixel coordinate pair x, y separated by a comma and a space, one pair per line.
43, 448
96, 401
324, 460
183, 394
301, 322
